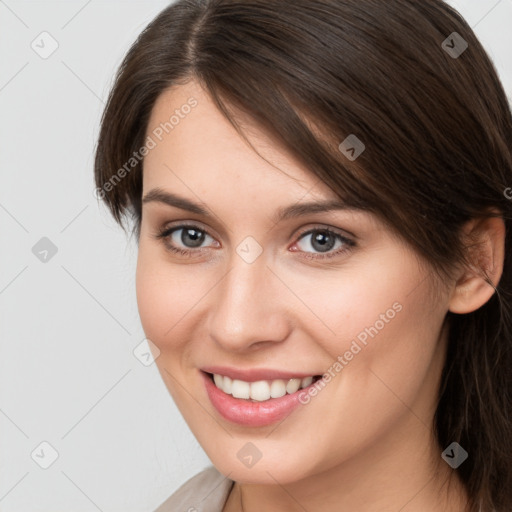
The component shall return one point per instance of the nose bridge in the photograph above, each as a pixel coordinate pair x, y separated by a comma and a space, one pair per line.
245, 309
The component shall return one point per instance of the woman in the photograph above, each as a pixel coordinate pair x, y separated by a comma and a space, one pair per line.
324, 269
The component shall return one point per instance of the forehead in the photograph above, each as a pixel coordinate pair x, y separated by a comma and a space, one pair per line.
197, 148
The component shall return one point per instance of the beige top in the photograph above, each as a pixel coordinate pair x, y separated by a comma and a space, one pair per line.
207, 491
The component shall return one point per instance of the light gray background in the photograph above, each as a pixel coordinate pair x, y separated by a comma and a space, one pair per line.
68, 326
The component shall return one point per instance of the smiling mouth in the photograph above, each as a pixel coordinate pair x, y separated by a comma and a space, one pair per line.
262, 390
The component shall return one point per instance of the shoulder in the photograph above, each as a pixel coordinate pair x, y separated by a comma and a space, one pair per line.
206, 491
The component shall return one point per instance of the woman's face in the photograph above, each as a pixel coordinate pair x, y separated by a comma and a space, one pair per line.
263, 291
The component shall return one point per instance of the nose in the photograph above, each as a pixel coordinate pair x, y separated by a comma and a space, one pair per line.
249, 307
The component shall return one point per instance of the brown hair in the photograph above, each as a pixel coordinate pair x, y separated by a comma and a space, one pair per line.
437, 130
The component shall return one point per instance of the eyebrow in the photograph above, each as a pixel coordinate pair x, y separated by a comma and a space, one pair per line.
294, 210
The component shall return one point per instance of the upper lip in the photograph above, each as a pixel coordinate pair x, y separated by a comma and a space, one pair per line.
255, 374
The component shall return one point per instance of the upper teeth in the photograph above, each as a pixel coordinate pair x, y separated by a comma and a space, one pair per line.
260, 390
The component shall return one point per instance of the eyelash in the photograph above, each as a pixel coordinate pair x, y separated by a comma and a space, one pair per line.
165, 233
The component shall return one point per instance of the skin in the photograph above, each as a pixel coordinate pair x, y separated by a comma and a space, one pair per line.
365, 441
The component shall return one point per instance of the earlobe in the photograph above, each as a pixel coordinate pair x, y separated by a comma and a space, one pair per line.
472, 289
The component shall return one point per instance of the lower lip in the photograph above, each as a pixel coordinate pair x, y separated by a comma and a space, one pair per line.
251, 414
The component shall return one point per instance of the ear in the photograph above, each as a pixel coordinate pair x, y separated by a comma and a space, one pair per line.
487, 251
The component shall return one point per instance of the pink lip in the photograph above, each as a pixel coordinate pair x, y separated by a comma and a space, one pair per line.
247, 413
255, 374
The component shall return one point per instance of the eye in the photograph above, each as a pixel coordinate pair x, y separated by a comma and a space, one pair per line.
187, 239
190, 236
323, 240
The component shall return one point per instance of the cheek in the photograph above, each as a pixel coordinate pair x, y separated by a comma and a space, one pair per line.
156, 295
354, 301
391, 359
167, 296
380, 328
